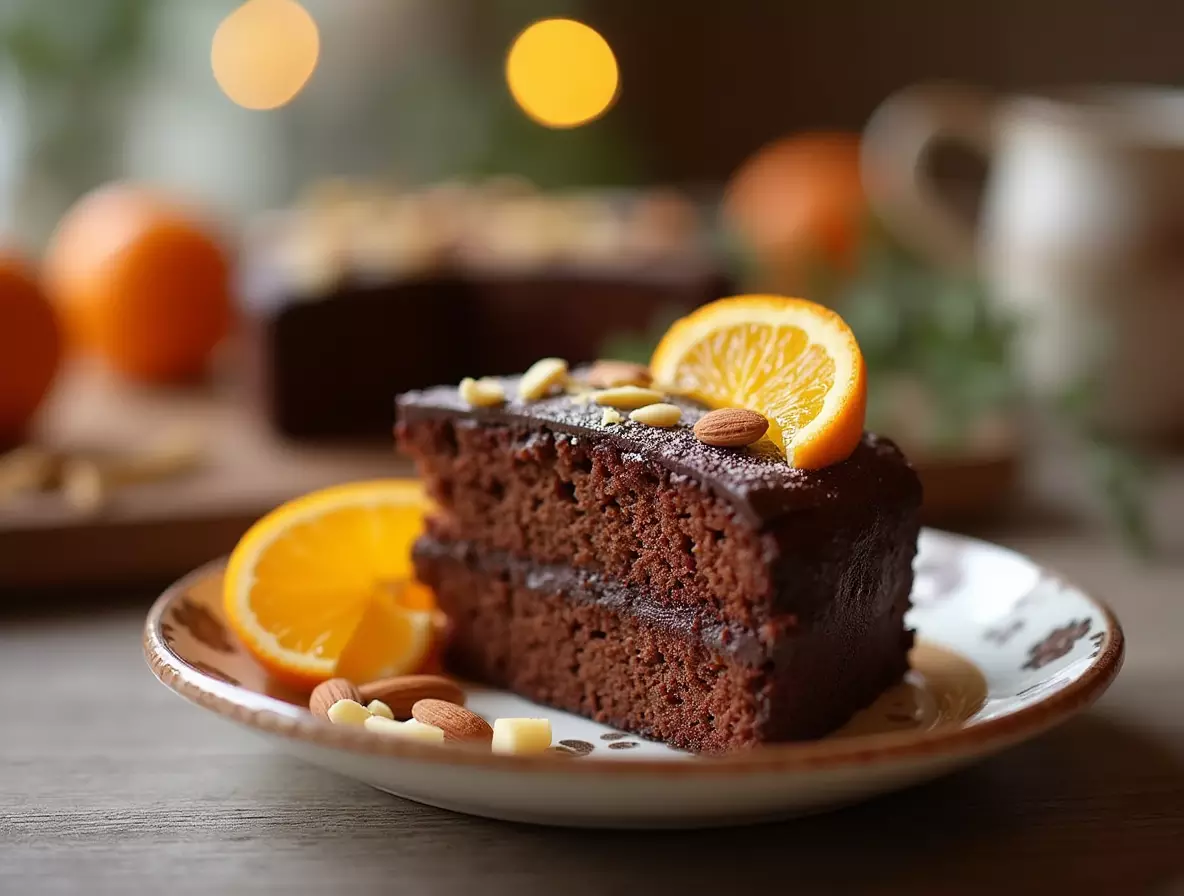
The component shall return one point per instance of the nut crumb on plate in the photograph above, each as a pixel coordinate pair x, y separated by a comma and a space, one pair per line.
412, 730
348, 712
521, 737
378, 708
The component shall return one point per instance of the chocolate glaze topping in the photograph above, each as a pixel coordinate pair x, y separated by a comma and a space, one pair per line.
757, 481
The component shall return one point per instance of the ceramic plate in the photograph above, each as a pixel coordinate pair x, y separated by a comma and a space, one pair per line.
1005, 650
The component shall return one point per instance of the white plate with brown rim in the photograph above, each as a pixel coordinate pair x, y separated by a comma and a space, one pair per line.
1005, 650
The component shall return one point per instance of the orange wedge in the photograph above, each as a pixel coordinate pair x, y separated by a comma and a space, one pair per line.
322, 586
794, 361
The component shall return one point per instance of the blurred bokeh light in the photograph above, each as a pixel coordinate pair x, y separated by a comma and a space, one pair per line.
264, 52
562, 73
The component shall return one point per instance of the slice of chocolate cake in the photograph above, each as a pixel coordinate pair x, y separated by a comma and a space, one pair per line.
708, 597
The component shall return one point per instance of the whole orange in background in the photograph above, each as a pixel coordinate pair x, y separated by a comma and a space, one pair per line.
30, 347
140, 282
799, 199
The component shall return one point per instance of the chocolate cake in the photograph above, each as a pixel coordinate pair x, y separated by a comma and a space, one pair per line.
707, 597
351, 300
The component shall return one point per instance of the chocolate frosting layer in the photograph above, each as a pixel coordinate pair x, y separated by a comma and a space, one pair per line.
742, 644
756, 480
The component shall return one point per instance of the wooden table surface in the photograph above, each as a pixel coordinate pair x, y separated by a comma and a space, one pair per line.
110, 783
162, 528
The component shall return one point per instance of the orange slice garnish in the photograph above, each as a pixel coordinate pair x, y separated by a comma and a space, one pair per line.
794, 361
323, 586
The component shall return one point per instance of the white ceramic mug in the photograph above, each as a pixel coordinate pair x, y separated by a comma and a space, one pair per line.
1081, 229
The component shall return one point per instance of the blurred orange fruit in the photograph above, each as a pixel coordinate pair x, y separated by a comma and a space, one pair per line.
797, 199
140, 283
30, 347
793, 361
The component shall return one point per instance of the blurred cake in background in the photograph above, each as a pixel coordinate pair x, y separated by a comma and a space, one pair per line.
359, 291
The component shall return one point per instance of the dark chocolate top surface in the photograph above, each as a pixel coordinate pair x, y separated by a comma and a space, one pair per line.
757, 481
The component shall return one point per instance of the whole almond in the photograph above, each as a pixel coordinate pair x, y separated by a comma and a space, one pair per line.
325, 694
605, 374
402, 692
458, 723
731, 427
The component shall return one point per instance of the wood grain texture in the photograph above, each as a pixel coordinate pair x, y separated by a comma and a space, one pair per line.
109, 783
158, 530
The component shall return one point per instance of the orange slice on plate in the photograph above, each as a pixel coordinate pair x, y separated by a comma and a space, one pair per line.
794, 361
323, 585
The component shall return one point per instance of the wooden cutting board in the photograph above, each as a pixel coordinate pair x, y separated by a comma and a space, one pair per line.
153, 531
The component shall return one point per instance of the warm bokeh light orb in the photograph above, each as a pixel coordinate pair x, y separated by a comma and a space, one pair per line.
264, 52
562, 73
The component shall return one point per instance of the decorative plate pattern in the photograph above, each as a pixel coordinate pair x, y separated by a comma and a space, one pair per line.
1005, 650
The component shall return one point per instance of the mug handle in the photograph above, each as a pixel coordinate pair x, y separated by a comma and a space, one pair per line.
898, 187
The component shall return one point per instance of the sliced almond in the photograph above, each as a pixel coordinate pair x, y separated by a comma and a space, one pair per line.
458, 723
541, 378
482, 393
402, 692
663, 415
626, 398
607, 374
327, 693
731, 427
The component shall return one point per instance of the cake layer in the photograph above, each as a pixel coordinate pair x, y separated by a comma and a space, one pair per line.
656, 510
584, 644
757, 484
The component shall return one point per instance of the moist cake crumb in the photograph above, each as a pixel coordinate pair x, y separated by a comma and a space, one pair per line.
712, 598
